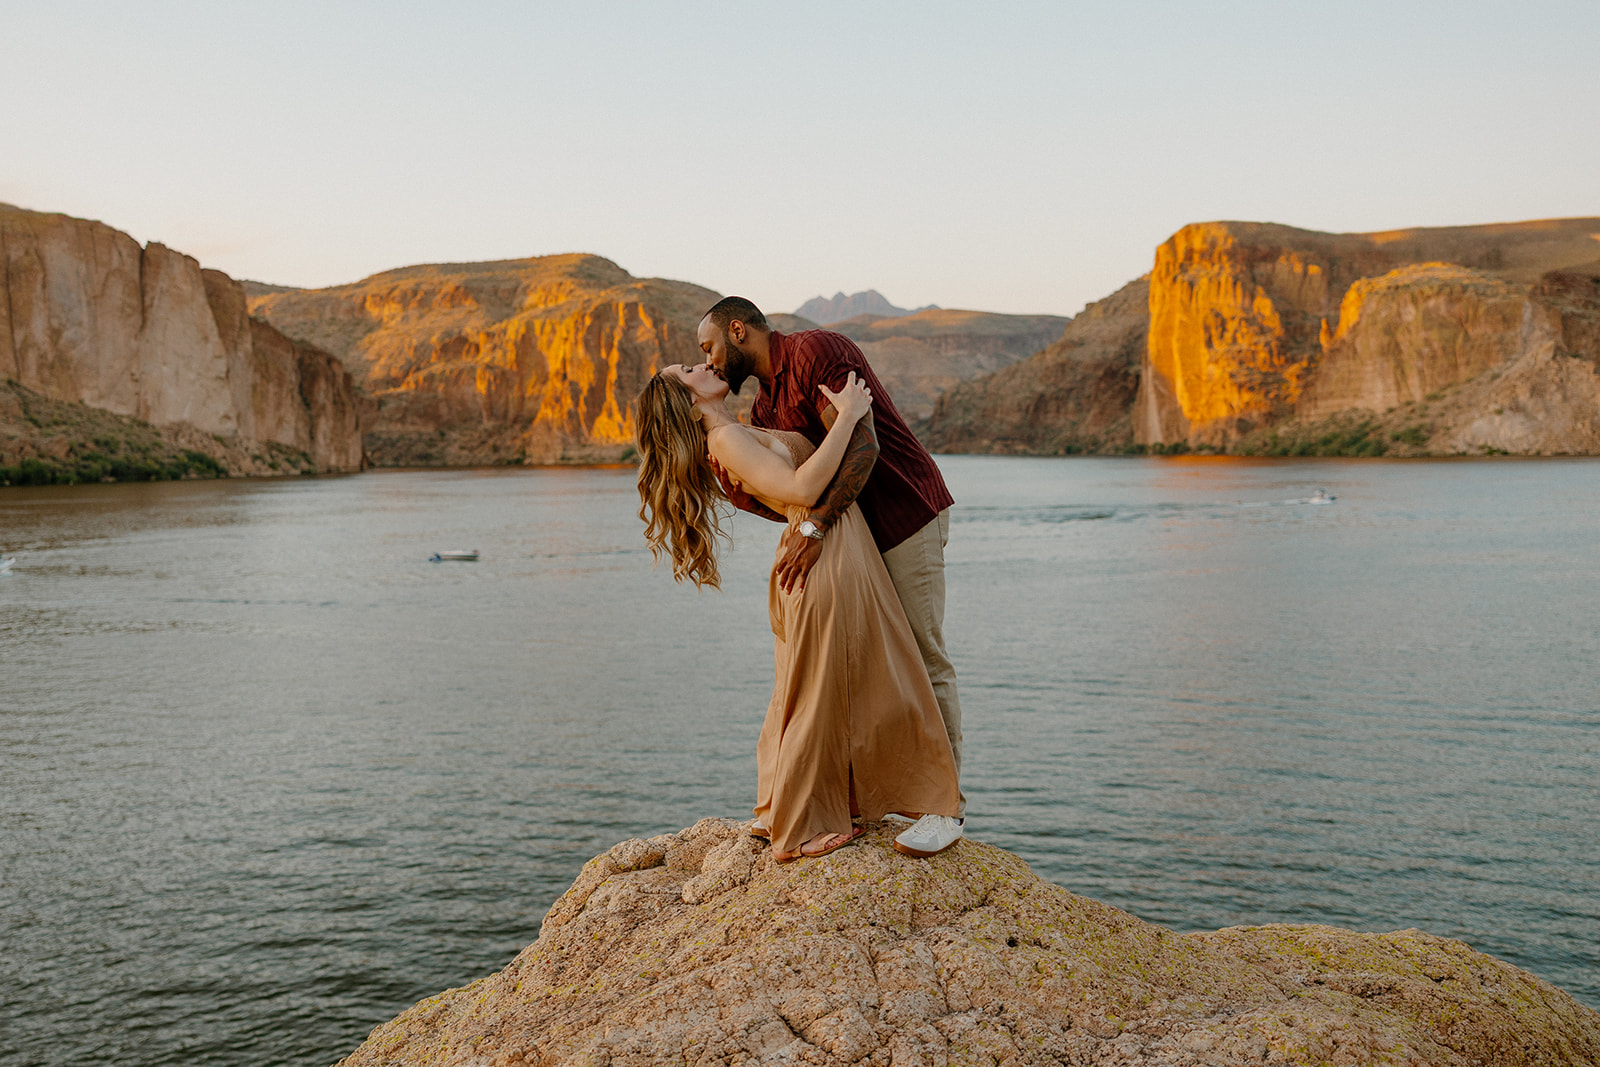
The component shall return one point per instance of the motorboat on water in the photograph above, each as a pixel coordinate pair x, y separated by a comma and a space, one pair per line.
5, 564
465, 555
1321, 497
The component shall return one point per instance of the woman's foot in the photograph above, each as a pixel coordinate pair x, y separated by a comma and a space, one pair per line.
823, 844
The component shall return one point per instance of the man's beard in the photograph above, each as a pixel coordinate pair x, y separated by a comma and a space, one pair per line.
737, 365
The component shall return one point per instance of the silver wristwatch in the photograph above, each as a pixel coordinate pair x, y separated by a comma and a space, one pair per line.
811, 530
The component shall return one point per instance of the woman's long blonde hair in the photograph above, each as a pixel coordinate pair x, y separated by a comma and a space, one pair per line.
678, 490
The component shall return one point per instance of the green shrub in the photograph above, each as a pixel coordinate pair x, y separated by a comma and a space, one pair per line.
1416, 434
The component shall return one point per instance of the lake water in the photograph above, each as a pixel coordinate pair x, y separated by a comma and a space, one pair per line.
267, 776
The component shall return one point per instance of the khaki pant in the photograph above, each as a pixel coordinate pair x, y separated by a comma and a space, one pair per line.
916, 566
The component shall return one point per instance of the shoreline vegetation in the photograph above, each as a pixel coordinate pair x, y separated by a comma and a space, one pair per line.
59, 442
74, 444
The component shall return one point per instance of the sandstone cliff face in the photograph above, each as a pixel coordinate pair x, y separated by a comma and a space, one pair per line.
88, 316
696, 948
1252, 324
532, 360
920, 355
1075, 396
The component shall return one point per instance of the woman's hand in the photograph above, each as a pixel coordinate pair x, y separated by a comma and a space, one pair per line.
851, 402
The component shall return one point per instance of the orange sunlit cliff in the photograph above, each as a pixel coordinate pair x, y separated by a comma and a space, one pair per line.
1251, 323
1263, 338
526, 360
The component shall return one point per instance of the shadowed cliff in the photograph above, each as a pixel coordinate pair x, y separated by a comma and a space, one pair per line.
696, 948
919, 355
88, 317
1074, 396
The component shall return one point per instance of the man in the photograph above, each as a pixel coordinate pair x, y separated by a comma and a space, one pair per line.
885, 470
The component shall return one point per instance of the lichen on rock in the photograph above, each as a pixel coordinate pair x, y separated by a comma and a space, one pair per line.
696, 948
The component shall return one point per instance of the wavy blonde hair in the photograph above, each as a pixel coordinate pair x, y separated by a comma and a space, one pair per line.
678, 490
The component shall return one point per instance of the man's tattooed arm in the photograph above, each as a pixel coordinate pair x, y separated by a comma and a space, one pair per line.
800, 553
859, 456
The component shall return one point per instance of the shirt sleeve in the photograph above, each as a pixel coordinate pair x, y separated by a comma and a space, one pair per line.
832, 357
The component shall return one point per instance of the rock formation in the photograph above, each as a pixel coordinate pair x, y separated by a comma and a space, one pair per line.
538, 360
920, 355
1075, 396
518, 361
89, 317
1253, 324
694, 948
1261, 338
826, 311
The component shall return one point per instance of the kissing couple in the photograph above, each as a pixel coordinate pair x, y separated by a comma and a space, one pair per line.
865, 720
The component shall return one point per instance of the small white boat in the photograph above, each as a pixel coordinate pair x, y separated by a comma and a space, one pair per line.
5, 564
1321, 497
454, 553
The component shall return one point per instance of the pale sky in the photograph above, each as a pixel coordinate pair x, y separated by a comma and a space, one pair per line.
1020, 157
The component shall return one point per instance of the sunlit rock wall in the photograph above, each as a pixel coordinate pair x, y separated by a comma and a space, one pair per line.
1253, 323
534, 360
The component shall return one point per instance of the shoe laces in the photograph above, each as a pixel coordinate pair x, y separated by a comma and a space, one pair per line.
927, 826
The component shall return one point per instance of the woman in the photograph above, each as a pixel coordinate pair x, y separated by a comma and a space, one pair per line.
853, 724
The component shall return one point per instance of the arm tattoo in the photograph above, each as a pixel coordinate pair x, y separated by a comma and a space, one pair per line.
851, 477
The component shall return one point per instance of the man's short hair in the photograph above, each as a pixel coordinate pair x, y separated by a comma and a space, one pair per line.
729, 308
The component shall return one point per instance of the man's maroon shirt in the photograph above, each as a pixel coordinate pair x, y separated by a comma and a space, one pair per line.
905, 491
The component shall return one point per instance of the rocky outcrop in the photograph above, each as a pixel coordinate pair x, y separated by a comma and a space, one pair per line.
1254, 324
518, 361
920, 355
1266, 339
1075, 396
88, 316
828, 310
696, 948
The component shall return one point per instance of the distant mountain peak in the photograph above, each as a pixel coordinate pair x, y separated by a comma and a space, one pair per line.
825, 310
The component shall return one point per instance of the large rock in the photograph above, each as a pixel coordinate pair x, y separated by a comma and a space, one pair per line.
88, 316
1075, 396
528, 360
1253, 324
695, 948
918, 356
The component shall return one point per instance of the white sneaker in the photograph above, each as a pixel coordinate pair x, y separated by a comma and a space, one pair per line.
929, 836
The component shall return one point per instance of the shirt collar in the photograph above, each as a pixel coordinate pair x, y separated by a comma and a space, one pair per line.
776, 355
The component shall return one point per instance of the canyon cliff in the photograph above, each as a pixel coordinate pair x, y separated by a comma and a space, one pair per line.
1075, 396
516, 361
88, 317
538, 360
1266, 339
921, 354
1253, 324
696, 948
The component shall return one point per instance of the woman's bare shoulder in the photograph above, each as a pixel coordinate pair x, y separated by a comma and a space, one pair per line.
745, 432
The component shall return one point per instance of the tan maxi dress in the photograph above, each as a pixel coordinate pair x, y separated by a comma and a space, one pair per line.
851, 699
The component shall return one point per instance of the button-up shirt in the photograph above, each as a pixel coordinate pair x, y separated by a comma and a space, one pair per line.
905, 491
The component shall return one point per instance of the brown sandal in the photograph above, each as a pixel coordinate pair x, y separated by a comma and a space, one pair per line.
855, 832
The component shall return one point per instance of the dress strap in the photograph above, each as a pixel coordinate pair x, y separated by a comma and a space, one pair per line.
799, 446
